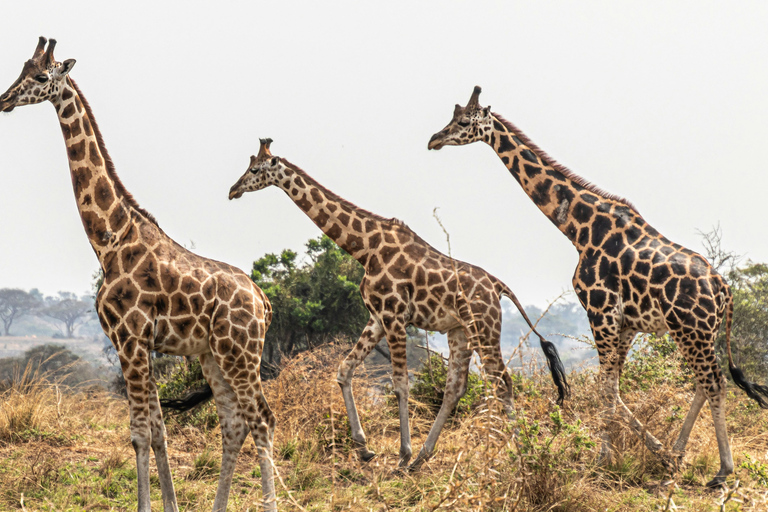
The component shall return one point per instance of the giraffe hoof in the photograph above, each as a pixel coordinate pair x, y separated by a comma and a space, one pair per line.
673, 461
415, 466
367, 455
405, 458
716, 483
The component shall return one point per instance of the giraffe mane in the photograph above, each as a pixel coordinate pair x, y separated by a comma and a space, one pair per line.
548, 160
119, 187
338, 199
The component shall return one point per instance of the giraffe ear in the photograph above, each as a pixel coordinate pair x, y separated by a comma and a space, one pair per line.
64, 68
487, 111
275, 160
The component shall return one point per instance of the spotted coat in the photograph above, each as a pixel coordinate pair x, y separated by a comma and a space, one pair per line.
406, 282
629, 277
156, 295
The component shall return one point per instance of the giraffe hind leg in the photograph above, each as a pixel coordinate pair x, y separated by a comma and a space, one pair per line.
234, 429
712, 385
397, 348
678, 449
455, 387
234, 360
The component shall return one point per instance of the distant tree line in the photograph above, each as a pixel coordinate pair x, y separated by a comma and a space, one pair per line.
67, 309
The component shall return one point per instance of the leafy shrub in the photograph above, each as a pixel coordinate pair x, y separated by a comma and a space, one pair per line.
428, 388
550, 455
756, 469
655, 361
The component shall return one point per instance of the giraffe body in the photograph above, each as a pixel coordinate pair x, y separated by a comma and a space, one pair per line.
629, 277
156, 295
406, 282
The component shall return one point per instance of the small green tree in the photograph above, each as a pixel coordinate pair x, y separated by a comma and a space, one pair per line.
749, 336
313, 303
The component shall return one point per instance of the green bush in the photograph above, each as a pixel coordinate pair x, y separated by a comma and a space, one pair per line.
429, 387
654, 361
549, 454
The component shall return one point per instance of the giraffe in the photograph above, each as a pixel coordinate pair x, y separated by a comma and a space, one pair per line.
629, 278
406, 282
158, 296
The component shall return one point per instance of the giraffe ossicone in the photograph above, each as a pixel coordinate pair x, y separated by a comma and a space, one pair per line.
159, 296
406, 282
629, 278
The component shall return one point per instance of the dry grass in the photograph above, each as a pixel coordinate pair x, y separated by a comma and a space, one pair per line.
67, 450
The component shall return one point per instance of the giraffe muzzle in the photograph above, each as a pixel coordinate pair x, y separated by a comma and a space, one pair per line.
234, 192
436, 142
7, 104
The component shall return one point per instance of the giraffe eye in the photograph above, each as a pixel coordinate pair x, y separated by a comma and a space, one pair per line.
41, 78
254, 170
463, 124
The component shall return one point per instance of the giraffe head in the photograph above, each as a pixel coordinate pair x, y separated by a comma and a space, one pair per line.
41, 79
263, 171
469, 124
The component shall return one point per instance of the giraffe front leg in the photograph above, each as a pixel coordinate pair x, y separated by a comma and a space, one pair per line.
157, 429
371, 335
455, 387
134, 360
612, 347
609, 393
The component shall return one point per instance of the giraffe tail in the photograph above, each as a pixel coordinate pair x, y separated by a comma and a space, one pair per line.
188, 402
554, 363
756, 392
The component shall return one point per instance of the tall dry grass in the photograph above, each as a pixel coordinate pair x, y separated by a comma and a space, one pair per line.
64, 449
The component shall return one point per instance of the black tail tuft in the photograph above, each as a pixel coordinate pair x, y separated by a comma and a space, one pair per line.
756, 392
558, 370
190, 401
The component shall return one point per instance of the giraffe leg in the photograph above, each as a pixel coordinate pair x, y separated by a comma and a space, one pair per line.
371, 335
157, 430
716, 404
455, 387
613, 363
239, 363
493, 362
678, 449
711, 384
233, 428
637, 426
612, 348
134, 360
396, 337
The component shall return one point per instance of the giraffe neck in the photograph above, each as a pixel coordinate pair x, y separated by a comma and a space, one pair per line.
569, 202
345, 223
106, 208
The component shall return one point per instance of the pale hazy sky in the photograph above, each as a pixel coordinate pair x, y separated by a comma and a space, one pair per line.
665, 103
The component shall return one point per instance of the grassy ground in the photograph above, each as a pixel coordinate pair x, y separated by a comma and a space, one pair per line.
61, 451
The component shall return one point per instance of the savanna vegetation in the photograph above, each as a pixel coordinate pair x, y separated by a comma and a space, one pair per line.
65, 438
